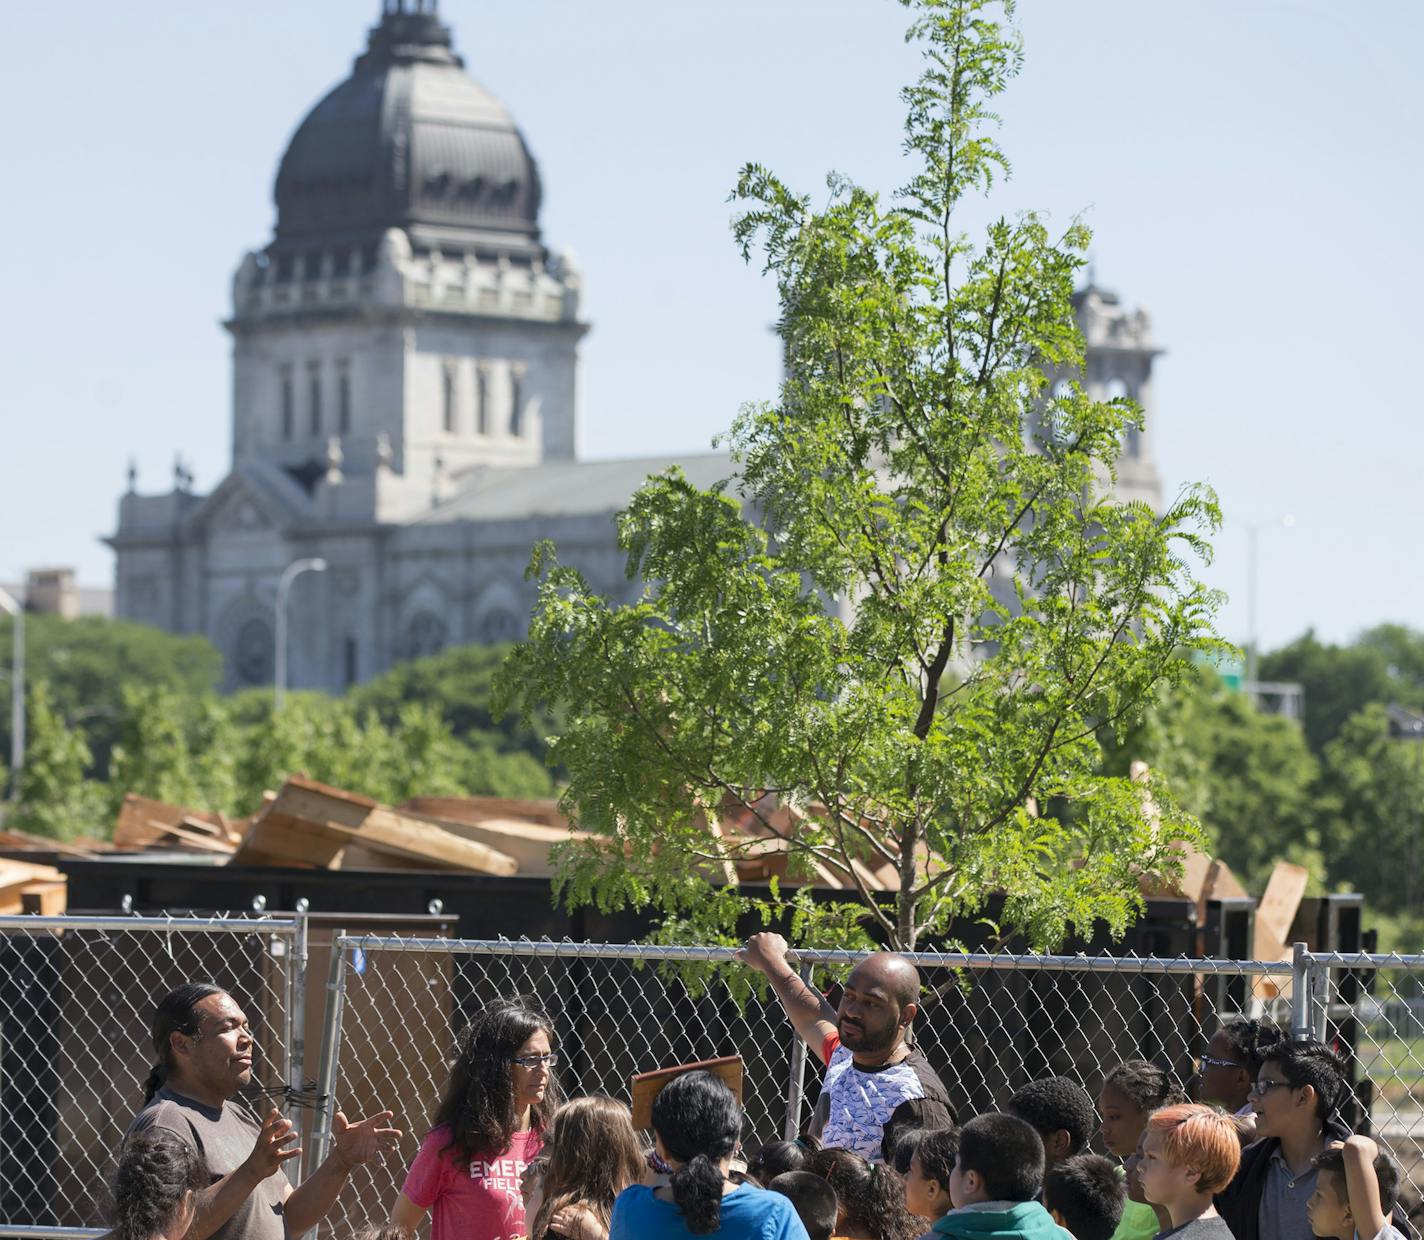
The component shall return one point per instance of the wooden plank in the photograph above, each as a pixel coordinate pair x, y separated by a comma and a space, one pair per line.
45, 899
203, 843
1276, 912
387, 830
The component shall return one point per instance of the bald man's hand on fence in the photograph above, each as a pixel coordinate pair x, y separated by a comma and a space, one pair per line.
766, 953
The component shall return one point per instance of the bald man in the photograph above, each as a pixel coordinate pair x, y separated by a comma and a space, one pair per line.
877, 1084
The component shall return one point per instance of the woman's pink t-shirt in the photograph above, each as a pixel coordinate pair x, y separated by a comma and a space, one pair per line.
472, 1198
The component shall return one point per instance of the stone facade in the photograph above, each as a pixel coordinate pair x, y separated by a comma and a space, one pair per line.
405, 394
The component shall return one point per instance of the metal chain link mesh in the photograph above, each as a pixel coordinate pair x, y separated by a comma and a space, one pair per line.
75, 1007
987, 1029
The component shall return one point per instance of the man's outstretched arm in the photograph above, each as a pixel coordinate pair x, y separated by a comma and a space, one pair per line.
813, 1018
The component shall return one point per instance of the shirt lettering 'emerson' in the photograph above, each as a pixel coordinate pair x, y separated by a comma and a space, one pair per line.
858, 1108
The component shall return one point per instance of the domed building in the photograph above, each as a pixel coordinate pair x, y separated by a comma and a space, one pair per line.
405, 394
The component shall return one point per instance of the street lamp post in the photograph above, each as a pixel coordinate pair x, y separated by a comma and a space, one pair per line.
284, 587
17, 693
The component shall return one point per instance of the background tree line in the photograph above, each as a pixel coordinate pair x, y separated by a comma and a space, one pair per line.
117, 707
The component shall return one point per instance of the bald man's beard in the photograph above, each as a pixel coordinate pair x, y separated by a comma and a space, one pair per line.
866, 1040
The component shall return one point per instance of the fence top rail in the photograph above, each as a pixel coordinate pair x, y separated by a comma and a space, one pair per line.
174, 925
1366, 960
726, 955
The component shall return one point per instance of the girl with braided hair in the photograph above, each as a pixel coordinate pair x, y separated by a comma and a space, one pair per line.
156, 1187
1130, 1093
489, 1126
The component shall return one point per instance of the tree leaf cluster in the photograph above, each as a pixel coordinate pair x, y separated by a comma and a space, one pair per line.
913, 609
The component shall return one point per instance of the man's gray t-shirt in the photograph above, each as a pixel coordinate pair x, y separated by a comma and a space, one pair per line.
223, 1138
1213, 1228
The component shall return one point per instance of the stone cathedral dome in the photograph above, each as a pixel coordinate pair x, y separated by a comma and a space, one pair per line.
408, 141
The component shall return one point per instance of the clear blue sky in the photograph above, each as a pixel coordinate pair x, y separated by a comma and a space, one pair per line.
1251, 168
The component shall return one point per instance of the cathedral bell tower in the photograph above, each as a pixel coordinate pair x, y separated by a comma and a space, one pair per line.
405, 325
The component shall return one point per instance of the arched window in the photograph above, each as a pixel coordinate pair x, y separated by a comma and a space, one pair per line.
343, 397
253, 657
314, 396
499, 625
516, 403
288, 402
448, 396
424, 635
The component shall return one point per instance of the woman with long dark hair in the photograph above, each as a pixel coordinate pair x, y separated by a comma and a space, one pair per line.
489, 1126
697, 1124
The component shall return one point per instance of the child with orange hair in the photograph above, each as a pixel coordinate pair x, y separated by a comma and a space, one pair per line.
1189, 1153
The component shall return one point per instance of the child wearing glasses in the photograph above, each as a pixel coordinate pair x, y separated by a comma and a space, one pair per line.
489, 1126
1296, 1097
1190, 1153
1232, 1060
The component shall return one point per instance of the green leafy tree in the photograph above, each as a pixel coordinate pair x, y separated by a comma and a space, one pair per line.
458, 683
87, 662
1374, 789
937, 604
55, 797
1337, 680
1249, 777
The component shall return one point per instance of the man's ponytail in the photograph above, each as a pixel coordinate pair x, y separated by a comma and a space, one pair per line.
700, 1123
697, 1190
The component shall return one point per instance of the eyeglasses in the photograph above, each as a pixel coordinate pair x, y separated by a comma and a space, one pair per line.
1261, 1088
538, 1061
1210, 1061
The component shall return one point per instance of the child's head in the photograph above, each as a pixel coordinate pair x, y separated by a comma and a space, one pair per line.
155, 1185
1232, 1059
1060, 1111
814, 1199
1190, 1152
1329, 1206
1085, 1194
595, 1155
871, 1196
1301, 1083
931, 1166
1000, 1159
776, 1158
1130, 1093
907, 1141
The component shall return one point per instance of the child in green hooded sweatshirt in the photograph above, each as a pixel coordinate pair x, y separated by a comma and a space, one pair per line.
995, 1183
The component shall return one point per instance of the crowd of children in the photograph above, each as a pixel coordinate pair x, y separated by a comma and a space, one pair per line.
505, 1159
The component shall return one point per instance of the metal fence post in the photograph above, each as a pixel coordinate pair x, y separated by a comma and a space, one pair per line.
330, 1049
297, 1025
1302, 988
796, 1075
1319, 999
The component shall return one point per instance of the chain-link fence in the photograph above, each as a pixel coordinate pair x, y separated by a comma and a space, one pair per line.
989, 1024
76, 998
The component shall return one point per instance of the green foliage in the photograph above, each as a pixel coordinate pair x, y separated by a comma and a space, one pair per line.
87, 662
1373, 792
1338, 681
55, 798
1248, 777
457, 683
939, 603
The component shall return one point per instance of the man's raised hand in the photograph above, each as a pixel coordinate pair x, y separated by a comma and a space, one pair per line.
365, 1141
765, 952
272, 1148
